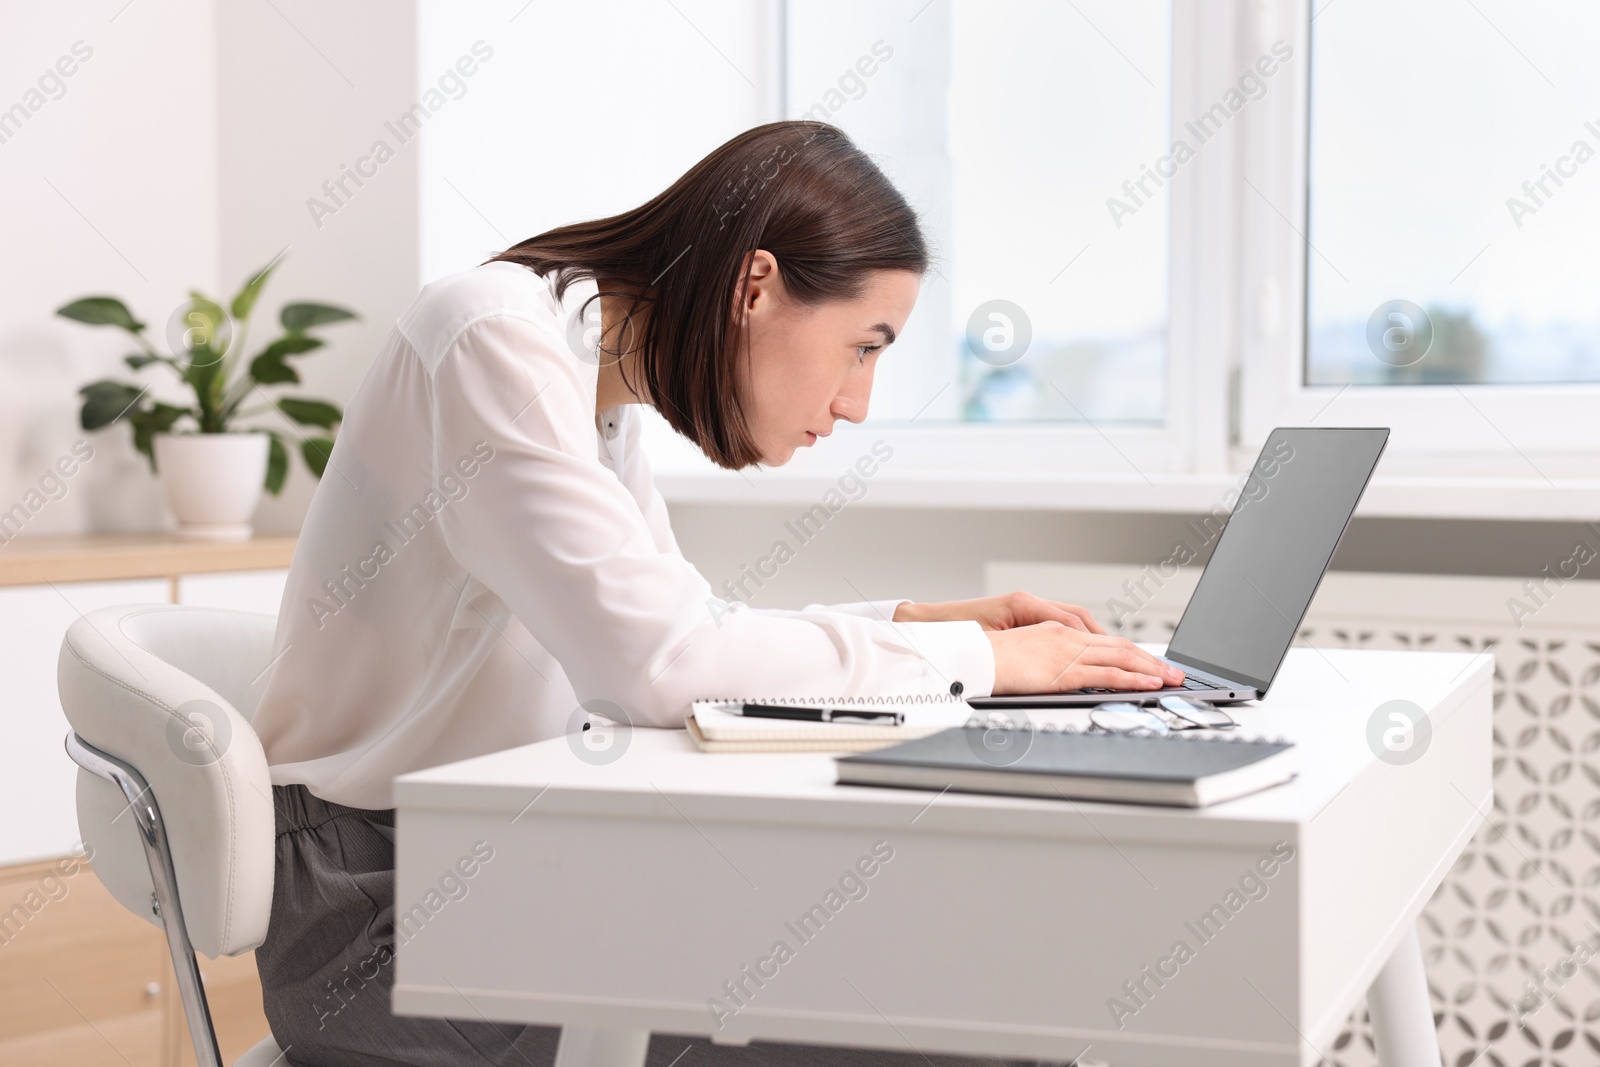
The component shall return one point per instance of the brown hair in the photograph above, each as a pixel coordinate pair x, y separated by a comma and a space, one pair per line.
802, 191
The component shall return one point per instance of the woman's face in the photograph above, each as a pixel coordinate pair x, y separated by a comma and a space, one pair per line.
811, 366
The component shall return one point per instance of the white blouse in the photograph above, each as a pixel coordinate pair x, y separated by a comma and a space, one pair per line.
486, 560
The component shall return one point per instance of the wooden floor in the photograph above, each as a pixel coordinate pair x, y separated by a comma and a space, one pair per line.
85, 983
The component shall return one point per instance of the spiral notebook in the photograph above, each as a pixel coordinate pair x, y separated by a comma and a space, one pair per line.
1180, 769
715, 725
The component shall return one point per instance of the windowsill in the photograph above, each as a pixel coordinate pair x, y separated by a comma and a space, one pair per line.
1395, 496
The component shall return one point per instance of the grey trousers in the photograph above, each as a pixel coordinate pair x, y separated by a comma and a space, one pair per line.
327, 969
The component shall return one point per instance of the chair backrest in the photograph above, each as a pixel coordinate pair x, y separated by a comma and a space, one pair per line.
169, 690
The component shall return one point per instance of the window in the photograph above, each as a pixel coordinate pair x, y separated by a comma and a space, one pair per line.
1454, 194
1013, 125
1205, 220
1057, 111
1390, 273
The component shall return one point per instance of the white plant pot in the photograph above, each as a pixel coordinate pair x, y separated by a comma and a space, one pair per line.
213, 481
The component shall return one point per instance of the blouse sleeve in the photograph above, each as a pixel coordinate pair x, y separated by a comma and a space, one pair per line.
555, 534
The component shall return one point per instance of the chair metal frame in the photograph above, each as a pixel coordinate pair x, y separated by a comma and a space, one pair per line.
164, 902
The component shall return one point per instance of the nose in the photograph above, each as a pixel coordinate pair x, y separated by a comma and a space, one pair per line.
852, 401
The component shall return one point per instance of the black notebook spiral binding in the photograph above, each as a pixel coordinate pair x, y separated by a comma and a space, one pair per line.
835, 701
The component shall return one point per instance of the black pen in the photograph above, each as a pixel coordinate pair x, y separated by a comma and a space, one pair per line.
776, 711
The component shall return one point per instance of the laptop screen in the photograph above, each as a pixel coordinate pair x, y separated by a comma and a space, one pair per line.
1271, 555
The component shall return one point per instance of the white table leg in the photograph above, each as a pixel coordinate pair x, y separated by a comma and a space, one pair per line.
1402, 1016
582, 1047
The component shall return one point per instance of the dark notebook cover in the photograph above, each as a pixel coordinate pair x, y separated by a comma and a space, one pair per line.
976, 755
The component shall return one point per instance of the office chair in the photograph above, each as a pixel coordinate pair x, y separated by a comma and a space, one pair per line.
174, 799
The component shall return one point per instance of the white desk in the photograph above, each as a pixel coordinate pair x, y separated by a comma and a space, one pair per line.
621, 898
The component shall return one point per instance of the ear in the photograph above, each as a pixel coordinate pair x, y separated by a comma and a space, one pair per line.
762, 285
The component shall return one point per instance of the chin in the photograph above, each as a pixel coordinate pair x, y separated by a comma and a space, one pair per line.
777, 457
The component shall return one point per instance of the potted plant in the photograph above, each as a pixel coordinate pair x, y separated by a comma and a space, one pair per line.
212, 469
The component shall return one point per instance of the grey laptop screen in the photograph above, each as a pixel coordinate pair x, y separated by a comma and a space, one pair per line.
1270, 557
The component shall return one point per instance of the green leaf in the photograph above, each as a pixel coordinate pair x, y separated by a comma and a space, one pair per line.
206, 323
297, 317
292, 345
316, 451
207, 343
142, 359
203, 373
277, 464
106, 401
245, 301
159, 417
269, 367
268, 370
101, 311
146, 424
310, 412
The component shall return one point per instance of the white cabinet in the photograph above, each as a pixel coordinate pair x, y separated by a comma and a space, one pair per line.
241, 590
36, 777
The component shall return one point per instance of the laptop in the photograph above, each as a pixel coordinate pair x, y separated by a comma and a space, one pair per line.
1270, 557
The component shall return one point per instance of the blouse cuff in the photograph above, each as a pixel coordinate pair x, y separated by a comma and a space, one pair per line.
960, 651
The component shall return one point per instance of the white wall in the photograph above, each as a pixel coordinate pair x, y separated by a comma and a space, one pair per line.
304, 90
110, 189
573, 118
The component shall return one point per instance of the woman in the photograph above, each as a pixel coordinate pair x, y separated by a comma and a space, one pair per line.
487, 552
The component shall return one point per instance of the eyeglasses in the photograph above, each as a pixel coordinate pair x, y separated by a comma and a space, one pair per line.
1175, 713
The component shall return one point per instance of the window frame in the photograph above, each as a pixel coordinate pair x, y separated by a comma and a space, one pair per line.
1236, 350
1546, 434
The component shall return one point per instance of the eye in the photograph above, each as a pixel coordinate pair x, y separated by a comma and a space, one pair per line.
863, 350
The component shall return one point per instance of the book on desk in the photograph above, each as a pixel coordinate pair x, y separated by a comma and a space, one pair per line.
1182, 769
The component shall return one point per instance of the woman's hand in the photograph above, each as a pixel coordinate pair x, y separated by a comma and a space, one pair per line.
1002, 612
1052, 657
1045, 646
